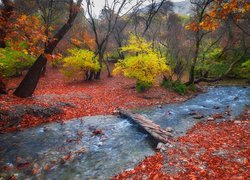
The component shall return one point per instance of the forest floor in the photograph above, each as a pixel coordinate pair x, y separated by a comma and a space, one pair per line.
210, 150
56, 100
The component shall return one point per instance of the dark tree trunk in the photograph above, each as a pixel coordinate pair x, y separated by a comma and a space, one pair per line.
3, 89
196, 53
30, 81
2, 36
108, 68
5, 15
90, 76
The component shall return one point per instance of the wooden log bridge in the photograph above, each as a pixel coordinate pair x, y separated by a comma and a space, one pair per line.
153, 129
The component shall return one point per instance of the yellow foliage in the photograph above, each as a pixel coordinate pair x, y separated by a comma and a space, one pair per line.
137, 45
79, 62
145, 66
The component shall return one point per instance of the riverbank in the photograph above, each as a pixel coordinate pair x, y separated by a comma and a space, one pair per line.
57, 100
99, 147
217, 150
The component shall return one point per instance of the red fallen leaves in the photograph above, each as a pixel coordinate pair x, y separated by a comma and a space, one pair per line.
98, 97
97, 132
209, 151
150, 168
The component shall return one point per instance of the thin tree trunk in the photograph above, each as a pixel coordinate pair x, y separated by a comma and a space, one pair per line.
108, 68
100, 59
3, 89
196, 53
5, 15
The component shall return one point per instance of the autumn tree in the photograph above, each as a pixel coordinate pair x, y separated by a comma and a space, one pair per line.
111, 13
6, 12
29, 83
208, 17
142, 63
80, 63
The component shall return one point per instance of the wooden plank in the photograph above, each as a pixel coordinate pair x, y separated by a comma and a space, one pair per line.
153, 129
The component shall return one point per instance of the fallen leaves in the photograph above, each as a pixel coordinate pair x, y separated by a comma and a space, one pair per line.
84, 98
150, 168
210, 150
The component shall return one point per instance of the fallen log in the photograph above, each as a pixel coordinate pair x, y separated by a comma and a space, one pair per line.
153, 129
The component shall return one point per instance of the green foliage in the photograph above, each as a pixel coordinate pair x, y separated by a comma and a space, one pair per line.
242, 70
184, 18
13, 63
142, 63
177, 86
167, 84
192, 87
212, 63
180, 88
114, 56
79, 63
142, 86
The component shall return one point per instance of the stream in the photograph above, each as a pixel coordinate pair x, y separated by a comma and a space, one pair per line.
101, 146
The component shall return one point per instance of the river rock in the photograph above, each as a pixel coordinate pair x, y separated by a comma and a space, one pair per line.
210, 119
237, 122
217, 116
159, 106
169, 129
192, 113
161, 146
216, 107
199, 116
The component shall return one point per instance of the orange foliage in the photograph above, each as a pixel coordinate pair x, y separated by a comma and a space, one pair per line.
86, 42
25, 29
218, 10
52, 57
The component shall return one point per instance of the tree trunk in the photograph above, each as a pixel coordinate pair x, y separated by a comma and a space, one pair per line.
108, 68
100, 59
30, 81
196, 53
5, 15
3, 89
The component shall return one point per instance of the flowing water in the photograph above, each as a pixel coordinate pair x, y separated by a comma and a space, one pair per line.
72, 151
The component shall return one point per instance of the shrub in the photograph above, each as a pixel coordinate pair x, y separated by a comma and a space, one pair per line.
80, 63
13, 63
180, 88
167, 84
192, 87
242, 70
142, 86
177, 86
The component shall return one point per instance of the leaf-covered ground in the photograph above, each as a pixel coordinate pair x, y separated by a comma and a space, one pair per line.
210, 150
98, 97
